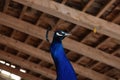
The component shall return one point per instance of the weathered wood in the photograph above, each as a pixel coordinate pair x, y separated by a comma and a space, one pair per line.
93, 53
88, 5
17, 72
105, 8
46, 57
2, 78
116, 19
74, 16
23, 11
6, 5
26, 64
80, 48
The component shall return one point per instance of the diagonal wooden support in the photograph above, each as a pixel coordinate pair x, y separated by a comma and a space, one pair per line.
74, 16
46, 57
17, 72
26, 64
80, 48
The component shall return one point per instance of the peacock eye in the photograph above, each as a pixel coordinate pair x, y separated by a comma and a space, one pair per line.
58, 34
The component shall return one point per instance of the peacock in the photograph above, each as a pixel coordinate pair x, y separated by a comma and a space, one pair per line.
63, 66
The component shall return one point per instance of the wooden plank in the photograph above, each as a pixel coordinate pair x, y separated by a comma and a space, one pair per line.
22, 12
37, 23
88, 5
6, 5
100, 63
46, 57
24, 42
26, 48
116, 19
93, 53
80, 48
105, 8
22, 26
64, 1
117, 41
28, 65
74, 16
98, 15
56, 25
1, 78
17, 72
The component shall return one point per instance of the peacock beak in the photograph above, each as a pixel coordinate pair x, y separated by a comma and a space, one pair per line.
67, 34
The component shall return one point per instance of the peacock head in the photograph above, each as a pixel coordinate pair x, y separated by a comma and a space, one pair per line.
60, 35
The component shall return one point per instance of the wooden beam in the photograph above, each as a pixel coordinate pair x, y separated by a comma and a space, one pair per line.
88, 5
17, 72
22, 12
22, 26
105, 8
64, 1
91, 52
80, 48
28, 65
2, 78
6, 5
98, 15
117, 41
74, 16
116, 19
100, 63
25, 48
46, 57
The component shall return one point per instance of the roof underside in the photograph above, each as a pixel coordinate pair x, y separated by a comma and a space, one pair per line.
95, 56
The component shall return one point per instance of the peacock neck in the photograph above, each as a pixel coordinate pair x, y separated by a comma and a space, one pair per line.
63, 66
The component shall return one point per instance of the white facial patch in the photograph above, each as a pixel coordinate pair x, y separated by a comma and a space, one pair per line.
63, 32
59, 34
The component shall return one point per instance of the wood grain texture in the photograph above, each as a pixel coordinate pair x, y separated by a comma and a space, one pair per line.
74, 16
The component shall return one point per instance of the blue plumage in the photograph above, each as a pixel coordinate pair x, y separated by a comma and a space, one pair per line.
64, 68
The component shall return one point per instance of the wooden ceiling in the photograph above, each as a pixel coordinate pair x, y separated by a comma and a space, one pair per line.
95, 56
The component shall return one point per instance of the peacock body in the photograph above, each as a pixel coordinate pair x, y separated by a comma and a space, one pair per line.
64, 68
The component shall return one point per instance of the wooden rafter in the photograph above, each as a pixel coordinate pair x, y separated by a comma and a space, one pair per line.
74, 16
28, 65
96, 47
116, 19
105, 8
80, 48
17, 72
1, 78
6, 5
88, 5
91, 33
46, 57
29, 25
23, 11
